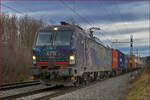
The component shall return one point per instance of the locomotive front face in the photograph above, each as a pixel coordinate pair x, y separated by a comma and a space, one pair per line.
52, 49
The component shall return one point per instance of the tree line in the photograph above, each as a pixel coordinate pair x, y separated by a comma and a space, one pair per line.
17, 36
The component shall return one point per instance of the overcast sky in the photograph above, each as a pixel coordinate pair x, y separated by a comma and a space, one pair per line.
117, 20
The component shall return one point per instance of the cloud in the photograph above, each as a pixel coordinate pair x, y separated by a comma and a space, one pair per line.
104, 12
138, 29
142, 50
118, 20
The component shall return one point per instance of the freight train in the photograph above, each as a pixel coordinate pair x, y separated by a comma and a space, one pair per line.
66, 54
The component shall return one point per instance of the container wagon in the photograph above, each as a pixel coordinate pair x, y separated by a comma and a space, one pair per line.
114, 61
121, 61
131, 64
126, 63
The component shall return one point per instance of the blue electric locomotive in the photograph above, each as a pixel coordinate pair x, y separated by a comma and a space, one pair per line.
67, 54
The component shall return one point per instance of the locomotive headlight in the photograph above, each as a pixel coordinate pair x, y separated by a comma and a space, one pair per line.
34, 57
72, 59
55, 28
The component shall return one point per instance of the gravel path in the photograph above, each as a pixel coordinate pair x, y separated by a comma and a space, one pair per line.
110, 89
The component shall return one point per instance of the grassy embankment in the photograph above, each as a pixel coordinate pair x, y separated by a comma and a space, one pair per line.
139, 89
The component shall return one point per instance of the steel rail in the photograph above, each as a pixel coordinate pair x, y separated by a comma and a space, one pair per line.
18, 85
27, 93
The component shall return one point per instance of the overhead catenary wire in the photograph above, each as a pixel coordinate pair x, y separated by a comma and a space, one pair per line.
12, 8
109, 15
112, 18
123, 20
16, 10
81, 17
74, 11
101, 29
122, 17
62, 2
107, 28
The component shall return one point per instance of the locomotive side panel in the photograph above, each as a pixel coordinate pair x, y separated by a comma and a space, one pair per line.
78, 45
99, 58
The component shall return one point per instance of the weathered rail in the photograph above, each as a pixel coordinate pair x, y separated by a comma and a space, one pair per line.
18, 85
42, 92
25, 93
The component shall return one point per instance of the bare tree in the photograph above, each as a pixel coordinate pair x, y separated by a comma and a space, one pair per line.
17, 39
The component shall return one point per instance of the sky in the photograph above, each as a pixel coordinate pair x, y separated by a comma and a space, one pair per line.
116, 19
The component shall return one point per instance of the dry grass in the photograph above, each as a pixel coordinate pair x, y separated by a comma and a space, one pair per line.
140, 88
16, 64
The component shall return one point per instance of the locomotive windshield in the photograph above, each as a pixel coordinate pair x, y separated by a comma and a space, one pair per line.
56, 38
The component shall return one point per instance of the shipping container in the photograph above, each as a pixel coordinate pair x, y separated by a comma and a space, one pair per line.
126, 61
121, 60
131, 63
114, 59
135, 62
138, 62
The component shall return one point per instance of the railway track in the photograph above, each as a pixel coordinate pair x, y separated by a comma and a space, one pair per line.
36, 92
26, 92
18, 85
54, 91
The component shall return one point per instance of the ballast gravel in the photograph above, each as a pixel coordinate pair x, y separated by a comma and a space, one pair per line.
110, 89
19, 90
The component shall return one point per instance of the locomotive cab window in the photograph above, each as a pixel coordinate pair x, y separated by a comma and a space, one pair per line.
63, 38
43, 38
56, 38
